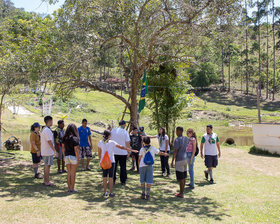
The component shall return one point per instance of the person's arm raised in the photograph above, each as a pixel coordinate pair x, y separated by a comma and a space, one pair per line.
126, 148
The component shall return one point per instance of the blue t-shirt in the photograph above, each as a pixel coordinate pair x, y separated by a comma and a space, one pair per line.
84, 133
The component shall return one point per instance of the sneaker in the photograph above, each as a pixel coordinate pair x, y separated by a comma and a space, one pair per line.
206, 174
111, 195
74, 191
132, 168
38, 176
163, 174
123, 184
188, 185
64, 171
88, 169
83, 169
142, 196
168, 175
211, 181
105, 194
59, 171
191, 187
148, 197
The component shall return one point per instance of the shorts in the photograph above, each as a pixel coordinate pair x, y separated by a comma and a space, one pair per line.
48, 160
181, 175
109, 172
211, 161
85, 152
146, 174
72, 160
181, 166
60, 154
35, 158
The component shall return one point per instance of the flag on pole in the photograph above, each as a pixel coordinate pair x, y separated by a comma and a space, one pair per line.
144, 91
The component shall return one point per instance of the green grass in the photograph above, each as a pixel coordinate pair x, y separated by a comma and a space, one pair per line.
241, 195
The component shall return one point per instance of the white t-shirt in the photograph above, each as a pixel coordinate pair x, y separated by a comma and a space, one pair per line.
154, 151
110, 147
46, 135
163, 144
210, 144
120, 136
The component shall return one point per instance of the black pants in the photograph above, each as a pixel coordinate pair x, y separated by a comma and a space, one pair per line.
123, 175
165, 164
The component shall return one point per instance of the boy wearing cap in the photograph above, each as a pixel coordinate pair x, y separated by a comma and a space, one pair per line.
35, 148
211, 143
121, 136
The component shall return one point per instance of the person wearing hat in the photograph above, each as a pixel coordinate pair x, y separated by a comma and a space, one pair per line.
121, 136
35, 148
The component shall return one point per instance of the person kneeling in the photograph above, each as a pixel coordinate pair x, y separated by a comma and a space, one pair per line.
146, 161
107, 160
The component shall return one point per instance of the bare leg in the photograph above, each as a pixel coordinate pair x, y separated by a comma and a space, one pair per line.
105, 184
58, 164
182, 186
88, 160
83, 164
73, 176
47, 174
69, 176
63, 165
111, 183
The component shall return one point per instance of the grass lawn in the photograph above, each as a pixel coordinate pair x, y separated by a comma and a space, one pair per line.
246, 191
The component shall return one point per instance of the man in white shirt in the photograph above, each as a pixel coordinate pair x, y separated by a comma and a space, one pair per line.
211, 143
48, 149
121, 136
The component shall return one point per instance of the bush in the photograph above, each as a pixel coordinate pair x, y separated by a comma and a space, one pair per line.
203, 76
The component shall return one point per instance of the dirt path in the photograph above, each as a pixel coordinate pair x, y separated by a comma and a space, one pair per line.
265, 164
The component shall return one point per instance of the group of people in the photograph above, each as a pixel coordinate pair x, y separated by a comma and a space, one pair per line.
73, 145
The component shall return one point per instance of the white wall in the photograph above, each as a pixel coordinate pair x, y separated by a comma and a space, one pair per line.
267, 137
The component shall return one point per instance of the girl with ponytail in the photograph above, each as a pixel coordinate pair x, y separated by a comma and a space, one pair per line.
107, 146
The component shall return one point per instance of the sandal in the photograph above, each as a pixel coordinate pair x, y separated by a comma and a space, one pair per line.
178, 195
49, 184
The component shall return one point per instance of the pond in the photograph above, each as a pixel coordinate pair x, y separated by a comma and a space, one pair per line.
241, 136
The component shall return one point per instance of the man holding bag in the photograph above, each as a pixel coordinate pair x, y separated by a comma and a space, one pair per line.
106, 148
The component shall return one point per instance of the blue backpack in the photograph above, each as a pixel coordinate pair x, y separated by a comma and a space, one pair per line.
148, 159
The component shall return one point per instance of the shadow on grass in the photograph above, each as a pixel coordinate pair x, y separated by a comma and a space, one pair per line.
17, 182
247, 101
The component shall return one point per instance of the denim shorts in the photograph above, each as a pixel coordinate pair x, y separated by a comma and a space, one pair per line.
146, 174
48, 160
72, 160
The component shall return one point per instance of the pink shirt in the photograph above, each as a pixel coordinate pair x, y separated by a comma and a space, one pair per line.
190, 145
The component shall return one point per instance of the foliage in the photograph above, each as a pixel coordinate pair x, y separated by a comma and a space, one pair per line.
203, 75
168, 95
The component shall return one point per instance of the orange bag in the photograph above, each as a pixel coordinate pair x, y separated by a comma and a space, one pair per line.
106, 162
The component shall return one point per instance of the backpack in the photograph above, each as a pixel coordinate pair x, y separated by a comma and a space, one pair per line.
106, 162
148, 159
197, 151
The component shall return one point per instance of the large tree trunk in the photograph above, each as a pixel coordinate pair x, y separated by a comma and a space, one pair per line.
273, 37
134, 109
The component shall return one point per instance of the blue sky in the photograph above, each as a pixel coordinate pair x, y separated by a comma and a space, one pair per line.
43, 7
37, 6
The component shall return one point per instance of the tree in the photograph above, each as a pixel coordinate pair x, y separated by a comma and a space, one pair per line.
168, 95
139, 30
